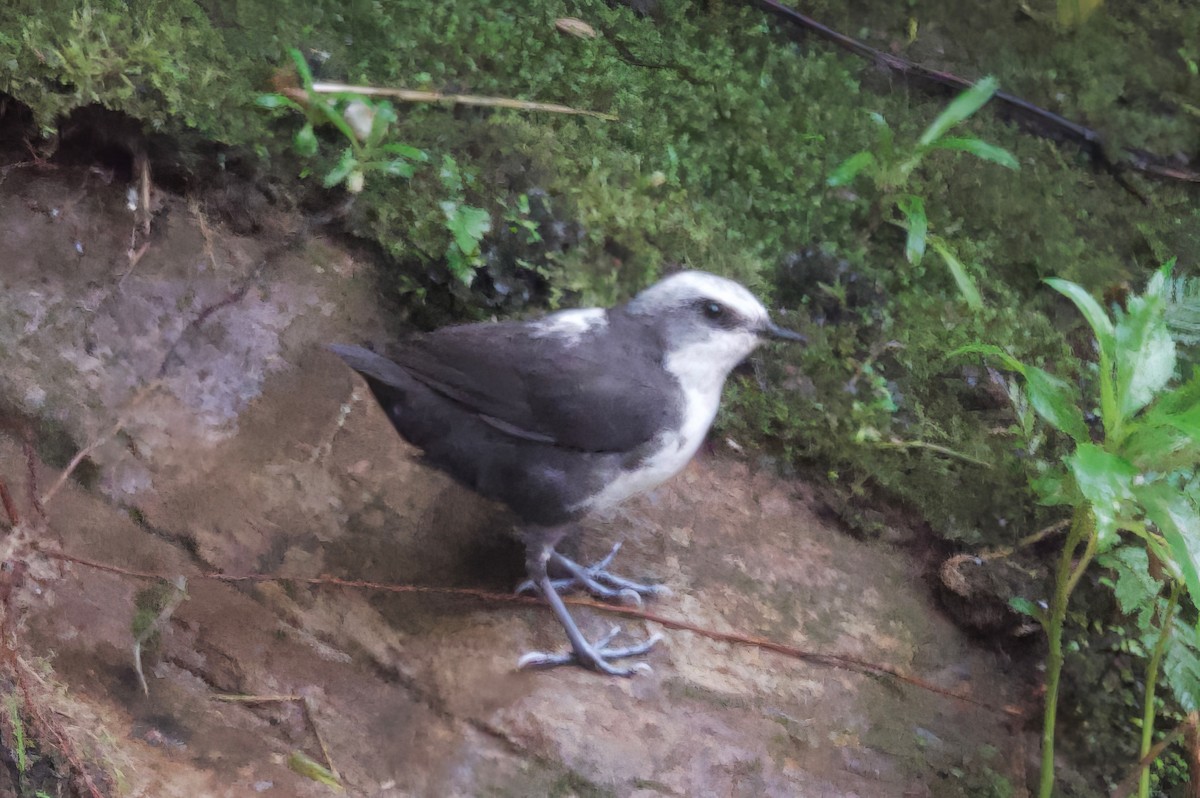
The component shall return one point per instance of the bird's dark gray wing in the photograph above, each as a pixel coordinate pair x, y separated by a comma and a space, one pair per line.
605, 394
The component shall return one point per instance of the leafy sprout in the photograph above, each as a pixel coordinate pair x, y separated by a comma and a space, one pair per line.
1132, 484
366, 124
363, 122
890, 168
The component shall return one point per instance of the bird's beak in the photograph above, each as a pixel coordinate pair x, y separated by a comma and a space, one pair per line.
773, 330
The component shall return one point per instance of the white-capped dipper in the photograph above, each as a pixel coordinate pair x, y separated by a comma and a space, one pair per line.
574, 412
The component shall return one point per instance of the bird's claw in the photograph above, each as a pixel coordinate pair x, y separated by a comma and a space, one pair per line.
596, 656
597, 580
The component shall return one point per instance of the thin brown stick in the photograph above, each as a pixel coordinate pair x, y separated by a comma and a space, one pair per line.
141, 165
833, 660
9, 506
309, 716
96, 443
903, 445
414, 96
1130, 783
31, 479
177, 596
1028, 540
135, 257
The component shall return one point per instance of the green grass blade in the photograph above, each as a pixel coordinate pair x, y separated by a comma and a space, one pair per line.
960, 108
913, 208
306, 76
848, 169
966, 285
978, 148
1101, 324
1056, 401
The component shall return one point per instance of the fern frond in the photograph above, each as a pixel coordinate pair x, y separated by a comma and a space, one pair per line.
1183, 309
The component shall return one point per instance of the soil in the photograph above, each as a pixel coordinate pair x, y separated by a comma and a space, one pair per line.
255, 451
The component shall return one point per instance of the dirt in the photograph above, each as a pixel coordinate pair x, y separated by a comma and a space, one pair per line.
255, 451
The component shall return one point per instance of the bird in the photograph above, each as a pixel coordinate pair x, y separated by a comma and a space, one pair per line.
570, 414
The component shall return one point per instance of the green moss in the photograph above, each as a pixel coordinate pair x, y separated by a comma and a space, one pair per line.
160, 61
572, 784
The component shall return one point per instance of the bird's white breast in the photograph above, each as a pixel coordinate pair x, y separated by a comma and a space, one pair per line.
701, 388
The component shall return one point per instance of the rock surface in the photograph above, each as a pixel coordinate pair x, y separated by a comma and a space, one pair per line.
255, 451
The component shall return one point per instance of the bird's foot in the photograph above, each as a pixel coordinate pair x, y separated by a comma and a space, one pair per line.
597, 580
595, 656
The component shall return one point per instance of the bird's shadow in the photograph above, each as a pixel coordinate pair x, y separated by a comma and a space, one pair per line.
456, 540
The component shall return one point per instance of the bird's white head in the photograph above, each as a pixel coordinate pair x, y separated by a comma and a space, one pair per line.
709, 324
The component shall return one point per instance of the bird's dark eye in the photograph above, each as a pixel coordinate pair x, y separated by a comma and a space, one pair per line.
713, 310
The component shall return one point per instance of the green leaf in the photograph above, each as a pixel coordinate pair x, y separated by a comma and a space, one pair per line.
1145, 353
1101, 324
1188, 423
405, 151
306, 141
277, 101
1057, 401
886, 146
1182, 398
978, 148
459, 265
1162, 442
395, 168
849, 168
1106, 481
299, 762
1177, 519
468, 225
966, 285
347, 164
1026, 607
991, 350
306, 76
913, 208
385, 115
1181, 667
1135, 589
958, 110
1166, 436
1053, 399
1053, 489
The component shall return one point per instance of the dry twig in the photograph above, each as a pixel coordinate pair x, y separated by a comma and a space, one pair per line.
95, 444
414, 96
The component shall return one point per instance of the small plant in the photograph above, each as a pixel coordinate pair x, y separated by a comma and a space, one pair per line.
364, 123
19, 744
890, 168
22, 757
466, 223
1132, 485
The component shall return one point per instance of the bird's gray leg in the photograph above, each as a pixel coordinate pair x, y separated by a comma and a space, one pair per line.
595, 656
597, 580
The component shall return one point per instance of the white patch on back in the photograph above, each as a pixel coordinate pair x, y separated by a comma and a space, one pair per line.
571, 325
701, 369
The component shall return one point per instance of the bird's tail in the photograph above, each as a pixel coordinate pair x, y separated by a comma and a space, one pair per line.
369, 364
